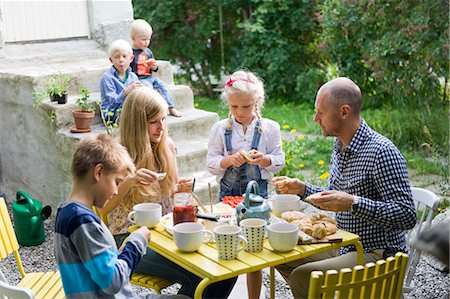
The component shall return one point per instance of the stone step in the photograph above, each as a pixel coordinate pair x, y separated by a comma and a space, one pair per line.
85, 70
194, 124
191, 155
202, 179
41, 53
63, 112
182, 96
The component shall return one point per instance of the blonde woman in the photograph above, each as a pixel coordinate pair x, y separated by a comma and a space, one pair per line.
143, 131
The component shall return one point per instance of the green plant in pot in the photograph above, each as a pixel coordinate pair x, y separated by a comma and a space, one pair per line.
84, 114
58, 86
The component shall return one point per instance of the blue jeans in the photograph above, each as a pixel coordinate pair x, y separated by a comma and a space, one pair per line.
160, 87
155, 264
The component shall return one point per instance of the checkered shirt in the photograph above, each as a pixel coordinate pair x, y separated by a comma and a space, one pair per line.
373, 169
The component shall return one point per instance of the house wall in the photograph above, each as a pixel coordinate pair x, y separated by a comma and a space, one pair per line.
107, 20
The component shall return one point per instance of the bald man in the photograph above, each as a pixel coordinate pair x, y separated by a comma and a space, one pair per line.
368, 188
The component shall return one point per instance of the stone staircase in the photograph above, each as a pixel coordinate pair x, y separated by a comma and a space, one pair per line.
37, 154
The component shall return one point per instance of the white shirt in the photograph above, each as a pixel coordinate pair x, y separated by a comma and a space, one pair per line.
269, 144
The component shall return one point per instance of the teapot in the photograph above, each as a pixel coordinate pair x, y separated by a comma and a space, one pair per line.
253, 205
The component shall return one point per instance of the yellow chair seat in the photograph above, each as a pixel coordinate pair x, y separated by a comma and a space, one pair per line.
43, 284
149, 281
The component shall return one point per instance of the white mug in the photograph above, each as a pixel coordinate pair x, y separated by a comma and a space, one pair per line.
282, 236
229, 241
189, 236
146, 214
253, 229
285, 202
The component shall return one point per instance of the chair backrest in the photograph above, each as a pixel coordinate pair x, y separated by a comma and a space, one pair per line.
104, 218
9, 291
8, 237
381, 280
426, 203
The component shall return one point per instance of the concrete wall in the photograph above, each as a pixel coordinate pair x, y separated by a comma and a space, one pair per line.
110, 20
30, 153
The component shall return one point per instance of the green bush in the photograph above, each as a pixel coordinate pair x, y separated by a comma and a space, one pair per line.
394, 50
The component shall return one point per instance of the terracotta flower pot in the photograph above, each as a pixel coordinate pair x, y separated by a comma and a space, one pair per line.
83, 120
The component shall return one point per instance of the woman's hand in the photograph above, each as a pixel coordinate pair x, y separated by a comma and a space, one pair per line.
184, 185
289, 186
144, 177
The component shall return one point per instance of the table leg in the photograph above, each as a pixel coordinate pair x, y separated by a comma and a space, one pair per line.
272, 283
360, 251
201, 287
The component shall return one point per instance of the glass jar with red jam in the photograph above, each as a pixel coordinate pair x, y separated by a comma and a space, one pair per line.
183, 208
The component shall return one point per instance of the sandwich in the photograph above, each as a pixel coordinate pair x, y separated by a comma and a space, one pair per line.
247, 156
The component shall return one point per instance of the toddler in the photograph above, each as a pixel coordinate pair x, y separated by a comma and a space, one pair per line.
144, 64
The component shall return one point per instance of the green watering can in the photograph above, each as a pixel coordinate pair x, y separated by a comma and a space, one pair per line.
29, 216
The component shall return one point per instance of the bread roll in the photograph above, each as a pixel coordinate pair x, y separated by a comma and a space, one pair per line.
290, 216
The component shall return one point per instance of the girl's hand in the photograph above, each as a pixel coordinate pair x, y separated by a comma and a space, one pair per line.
259, 159
144, 177
235, 160
184, 185
287, 185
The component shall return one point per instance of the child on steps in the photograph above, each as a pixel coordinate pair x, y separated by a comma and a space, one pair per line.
144, 64
245, 130
118, 81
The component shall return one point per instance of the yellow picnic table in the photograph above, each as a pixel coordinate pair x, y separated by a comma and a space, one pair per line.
206, 264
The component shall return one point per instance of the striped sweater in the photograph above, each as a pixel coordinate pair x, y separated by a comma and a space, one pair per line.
87, 255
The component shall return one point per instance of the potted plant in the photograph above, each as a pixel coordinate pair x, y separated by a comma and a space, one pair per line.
58, 86
84, 114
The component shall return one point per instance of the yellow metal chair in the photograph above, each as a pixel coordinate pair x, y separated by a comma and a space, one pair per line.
32, 285
144, 280
381, 280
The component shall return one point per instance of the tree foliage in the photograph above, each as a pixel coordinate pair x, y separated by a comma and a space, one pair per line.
396, 51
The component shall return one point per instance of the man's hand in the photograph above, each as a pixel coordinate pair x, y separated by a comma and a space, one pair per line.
287, 185
333, 200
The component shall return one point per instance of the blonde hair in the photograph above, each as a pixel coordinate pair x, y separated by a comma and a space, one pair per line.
103, 149
246, 83
120, 45
140, 26
142, 105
